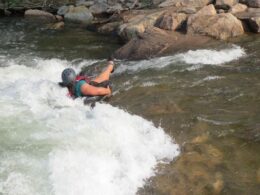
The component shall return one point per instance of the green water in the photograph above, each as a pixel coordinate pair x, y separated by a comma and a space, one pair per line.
215, 121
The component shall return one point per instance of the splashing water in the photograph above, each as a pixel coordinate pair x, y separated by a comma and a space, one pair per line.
196, 58
51, 144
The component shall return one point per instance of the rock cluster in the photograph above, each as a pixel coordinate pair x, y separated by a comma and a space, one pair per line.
144, 29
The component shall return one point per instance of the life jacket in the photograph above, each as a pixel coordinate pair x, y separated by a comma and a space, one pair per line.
78, 78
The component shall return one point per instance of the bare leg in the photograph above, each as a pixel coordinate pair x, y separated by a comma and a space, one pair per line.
105, 74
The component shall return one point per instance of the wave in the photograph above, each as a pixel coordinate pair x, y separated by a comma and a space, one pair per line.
197, 58
51, 144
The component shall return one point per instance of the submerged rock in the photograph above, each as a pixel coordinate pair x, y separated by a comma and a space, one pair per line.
56, 26
39, 14
79, 14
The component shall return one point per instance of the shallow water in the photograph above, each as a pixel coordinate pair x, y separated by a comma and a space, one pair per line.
206, 100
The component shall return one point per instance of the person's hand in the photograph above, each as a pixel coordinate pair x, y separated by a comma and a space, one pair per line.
109, 91
111, 66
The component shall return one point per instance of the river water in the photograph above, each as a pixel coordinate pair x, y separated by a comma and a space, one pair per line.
186, 123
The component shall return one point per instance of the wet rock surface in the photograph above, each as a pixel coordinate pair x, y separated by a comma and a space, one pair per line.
155, 42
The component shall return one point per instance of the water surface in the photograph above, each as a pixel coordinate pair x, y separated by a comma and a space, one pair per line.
206, 100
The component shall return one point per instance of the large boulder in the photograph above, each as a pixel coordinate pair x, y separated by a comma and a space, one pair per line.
99, 8
39, 14
179, 3
171, 21
205, 11
79, 14
157, 42
138, 24
221, 26
225, 4
251, 18
238, 8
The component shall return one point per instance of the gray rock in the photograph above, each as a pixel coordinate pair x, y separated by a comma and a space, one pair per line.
63, 10
85, 3
99, 8
39, 14
79, 14
115, 8
157, 2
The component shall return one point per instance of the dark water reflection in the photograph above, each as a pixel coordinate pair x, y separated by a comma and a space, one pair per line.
216, 122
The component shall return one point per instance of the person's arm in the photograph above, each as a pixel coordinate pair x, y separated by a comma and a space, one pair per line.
87, 89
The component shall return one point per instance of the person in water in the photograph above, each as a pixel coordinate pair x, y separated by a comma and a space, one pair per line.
80, 86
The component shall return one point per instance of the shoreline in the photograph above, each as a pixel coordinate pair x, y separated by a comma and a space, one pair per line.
152, 31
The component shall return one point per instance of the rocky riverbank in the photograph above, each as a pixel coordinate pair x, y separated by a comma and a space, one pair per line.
149, 28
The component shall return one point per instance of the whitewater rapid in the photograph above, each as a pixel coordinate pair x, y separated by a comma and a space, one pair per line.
51, 144
191, 60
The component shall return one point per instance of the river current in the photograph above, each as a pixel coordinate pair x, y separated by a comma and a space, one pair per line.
186, 123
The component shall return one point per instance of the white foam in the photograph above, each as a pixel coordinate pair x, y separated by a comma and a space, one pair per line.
197, 58
213, 57
66, 148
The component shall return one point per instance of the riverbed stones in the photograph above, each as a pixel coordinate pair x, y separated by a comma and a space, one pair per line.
109, 28
171, 21
225, 4
188, 3
79, 14
56, 26
98, 8
63, 10
85, 3
221, 26
39, 14
251, 18
138, 24
238, 8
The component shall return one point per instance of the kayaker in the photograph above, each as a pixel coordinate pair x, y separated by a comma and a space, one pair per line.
80, 86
